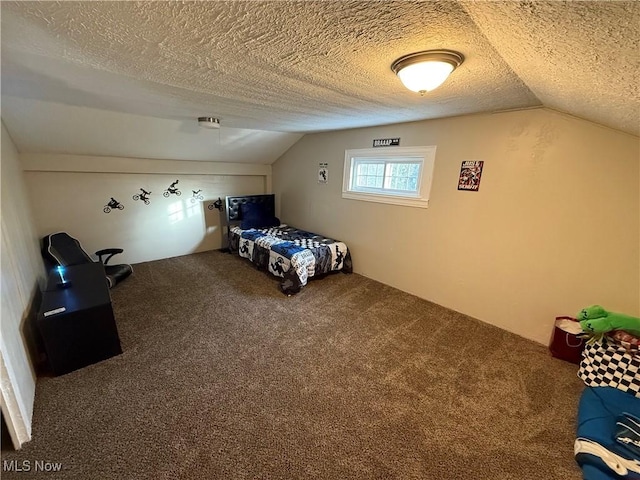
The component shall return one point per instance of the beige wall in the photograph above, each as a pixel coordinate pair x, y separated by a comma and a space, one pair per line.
22, 270
69, 192
554, 227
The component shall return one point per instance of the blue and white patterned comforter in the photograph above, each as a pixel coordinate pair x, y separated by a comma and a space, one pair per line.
293, 254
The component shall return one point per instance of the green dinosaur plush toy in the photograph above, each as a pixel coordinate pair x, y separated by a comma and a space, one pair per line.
595, 319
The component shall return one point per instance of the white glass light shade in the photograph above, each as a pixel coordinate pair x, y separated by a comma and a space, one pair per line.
425, 76
424, 71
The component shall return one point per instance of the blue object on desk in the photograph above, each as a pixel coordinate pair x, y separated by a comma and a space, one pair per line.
63, 283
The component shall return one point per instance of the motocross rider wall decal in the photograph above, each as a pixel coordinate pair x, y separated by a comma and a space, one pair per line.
197, 195
217, 204
112, 205
172, 190
143, 195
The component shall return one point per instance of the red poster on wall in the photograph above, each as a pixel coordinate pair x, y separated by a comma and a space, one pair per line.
470, 173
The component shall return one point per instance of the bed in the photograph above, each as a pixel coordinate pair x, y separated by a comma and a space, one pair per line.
255, 233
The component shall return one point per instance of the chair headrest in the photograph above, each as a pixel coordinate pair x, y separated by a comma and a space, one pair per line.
66, 250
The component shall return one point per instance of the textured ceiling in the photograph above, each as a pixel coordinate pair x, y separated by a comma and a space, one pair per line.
577, 57
303, 66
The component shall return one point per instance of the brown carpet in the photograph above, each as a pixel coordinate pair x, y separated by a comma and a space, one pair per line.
224, 377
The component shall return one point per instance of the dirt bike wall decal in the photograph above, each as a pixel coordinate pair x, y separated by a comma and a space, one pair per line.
113, 204
172, 190
144, 196
196, 195
217, 204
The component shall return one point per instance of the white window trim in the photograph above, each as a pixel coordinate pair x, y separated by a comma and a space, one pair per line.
428, 154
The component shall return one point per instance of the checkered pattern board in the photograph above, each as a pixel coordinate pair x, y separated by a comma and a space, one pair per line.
610, 365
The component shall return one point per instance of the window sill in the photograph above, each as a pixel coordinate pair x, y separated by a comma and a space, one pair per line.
403, 201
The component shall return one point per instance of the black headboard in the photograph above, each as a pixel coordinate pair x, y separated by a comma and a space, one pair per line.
234, 213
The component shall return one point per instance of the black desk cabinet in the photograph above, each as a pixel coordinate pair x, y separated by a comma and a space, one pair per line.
76, 323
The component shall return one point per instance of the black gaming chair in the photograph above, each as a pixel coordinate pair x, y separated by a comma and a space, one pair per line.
62, 249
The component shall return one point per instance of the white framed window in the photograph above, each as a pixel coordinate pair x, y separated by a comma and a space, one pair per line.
396, 175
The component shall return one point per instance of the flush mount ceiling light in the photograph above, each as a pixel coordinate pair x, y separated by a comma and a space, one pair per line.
424, 71
209, 122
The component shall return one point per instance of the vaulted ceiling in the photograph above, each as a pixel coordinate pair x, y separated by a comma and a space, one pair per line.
273, 70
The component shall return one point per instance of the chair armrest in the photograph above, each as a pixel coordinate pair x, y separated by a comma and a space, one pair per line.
108, 251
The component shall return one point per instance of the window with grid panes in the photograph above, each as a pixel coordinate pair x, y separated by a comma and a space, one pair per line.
397, 175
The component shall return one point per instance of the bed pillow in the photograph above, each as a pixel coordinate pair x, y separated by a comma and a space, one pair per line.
257, 215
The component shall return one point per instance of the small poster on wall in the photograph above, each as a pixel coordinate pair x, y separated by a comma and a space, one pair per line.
470, 173
386, 142
323, 173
